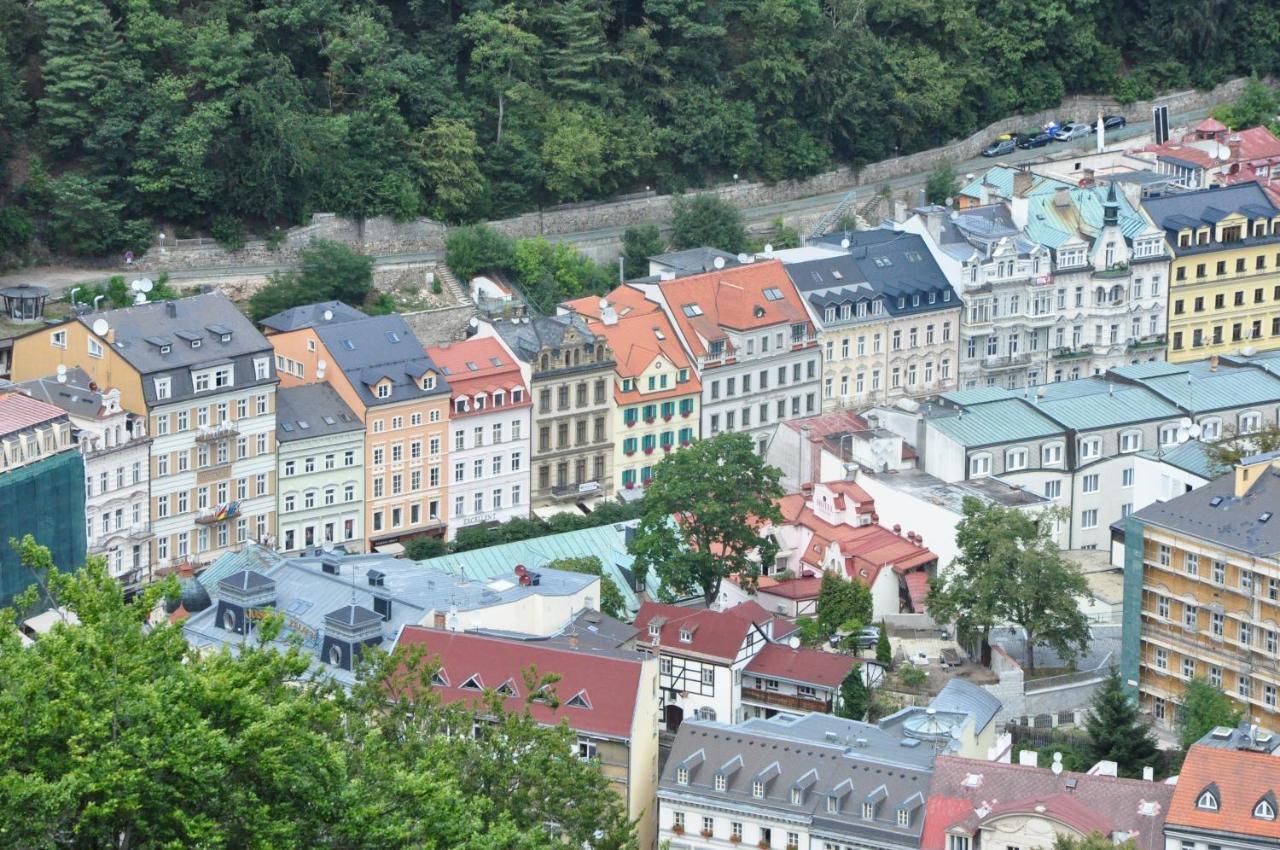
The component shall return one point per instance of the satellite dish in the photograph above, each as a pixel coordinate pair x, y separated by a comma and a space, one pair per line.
62, 374
473, 322
1056, 767
1184, 434
136, 285
320, 364
844, 243
100, 327
1224, 154
743, 258
793, 642
1184, 423
718, 262
139, 298
328, 315
768, 250
147, 285
1194, 431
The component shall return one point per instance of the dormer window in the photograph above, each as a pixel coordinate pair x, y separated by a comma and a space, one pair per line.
686, 636
384, 390
757, 789
721, 782
833, 804
682, 776
797, 797
1265, 809
904, 817
428, 382
868, 811
655, 629
1208, 800
472, 684
165, 349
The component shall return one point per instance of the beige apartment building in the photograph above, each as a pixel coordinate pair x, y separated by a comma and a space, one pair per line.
1202, 594
569, 371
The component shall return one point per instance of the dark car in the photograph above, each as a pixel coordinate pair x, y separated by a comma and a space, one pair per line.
1039, 140
1113, 122
1000, 147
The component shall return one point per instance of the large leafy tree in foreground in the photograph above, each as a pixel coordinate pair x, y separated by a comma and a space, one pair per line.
114, 734
702, 512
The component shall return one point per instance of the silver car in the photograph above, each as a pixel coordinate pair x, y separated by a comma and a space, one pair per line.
1072, 131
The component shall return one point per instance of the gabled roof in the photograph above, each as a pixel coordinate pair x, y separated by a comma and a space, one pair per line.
1241, 779
713, 634
597, 692
73, 395
966, 793
694, 260
311, 315
803, 666
1214, 514
527, 337
1191, 456
742, 298
478, 365
375, 348
996, 422
1206, 206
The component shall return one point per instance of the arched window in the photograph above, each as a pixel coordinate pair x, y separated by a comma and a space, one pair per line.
544, 362
335, 655
1099, 296
1208, 800
229, 621
1265, 808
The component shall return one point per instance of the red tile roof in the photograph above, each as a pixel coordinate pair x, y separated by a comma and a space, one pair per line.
796, 588
19, 411
733, 298
609, 684
966, 793
808, 666
481, 352
1211, 125
1242, 778
715, 634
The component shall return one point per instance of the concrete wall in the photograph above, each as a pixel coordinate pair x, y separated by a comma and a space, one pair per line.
383, 235
1009, 690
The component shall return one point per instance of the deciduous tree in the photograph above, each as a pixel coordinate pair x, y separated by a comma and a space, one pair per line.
843, 604
702, 512
705, 220
611, 601
1203, 708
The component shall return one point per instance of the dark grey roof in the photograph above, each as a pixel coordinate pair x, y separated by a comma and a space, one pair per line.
694, 260
1214, 514
73, 396
376, 347
528, 337
880, 263
1171, 212
312, 410
353, 615
311, 315
140, 333
820, 754
246, 580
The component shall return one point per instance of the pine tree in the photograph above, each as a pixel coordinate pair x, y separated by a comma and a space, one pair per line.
1116, 730
79, 56
884, 652
854, 696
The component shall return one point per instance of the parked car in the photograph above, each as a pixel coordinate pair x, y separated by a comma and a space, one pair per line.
1074, 130
1000, 147
865, 638
1038, 140
1113, 122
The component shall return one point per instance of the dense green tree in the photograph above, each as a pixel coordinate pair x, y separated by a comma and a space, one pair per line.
639, 243
702, 513
326, 271
855, 698
1203, 708
707, 221
843, 604
942, 183
472, 250
1010, 570
884, 650
1257, 104
611, 601
114, 733
422, 547
448, 155
1116, 729
552, 272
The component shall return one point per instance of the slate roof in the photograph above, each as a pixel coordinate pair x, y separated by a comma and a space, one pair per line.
1206, 206
377, 347
820, 754
311, 315
597, 691
961, 697
312, 410
18, 412
966, 793
879, 264
141, 331
1240, 778
73, 395
694, 260
1235, 523
528, 337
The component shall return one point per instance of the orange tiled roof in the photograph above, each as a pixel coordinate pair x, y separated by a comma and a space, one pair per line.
494, 368
734, 299
1241, 779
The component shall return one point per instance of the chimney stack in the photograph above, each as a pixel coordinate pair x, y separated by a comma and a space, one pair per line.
1022, 181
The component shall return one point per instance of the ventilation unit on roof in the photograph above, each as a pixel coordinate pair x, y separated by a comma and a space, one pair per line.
1215, 501
1266, 515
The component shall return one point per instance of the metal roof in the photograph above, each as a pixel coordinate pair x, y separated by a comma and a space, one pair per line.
963, 697
312, 315
1222, 390
1191, 456
312, 410
1052, 225
996, 422
1109, 406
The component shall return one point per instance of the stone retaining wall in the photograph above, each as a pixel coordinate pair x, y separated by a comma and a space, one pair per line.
382, 235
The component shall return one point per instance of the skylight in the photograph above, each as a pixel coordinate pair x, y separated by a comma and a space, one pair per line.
472, 366
495, 361
691, 310
392, 336
773, 293
348, 345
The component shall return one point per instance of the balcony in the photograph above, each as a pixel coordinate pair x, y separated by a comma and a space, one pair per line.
220, 513
779, 700
1204, 646
141, 531
1147, 343
1078, 353
997, 362
574, 492
213, 433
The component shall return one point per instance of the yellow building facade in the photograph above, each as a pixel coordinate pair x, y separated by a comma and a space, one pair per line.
1224, 280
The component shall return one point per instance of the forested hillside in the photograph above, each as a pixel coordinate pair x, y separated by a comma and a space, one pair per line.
224, 115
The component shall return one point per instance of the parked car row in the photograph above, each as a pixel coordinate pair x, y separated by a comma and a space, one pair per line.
1054, 131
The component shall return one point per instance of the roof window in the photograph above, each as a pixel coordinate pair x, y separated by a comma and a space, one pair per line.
691, 310
773, 293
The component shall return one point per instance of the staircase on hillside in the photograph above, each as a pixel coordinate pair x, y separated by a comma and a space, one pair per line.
828, 221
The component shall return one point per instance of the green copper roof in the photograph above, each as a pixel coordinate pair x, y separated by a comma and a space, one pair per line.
996, 422
1191, 456
1051, 225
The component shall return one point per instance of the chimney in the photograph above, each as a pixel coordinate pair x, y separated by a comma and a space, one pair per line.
171, 309
1213, 362
1029, 758
1062, 197
1088, 179
1233, 145
1022, 181
804, 473
438, 620
573, 640
933, 223
899, 210
1247, 474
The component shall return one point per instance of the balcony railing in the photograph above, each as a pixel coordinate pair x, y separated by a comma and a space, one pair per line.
585, 490
210, 433
1077, 353
781, 700
1006, 361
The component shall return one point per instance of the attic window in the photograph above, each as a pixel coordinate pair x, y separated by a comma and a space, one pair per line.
472, 367
1215, 501
1266, 515
797, 797
1208, 800
904, 817
428, 382
773, 293
392, 336
472, 684
1265, 809
384, 390
691, 310
757, 789
165, 349
654, 629
682, 776
508, 689
226, 337
686, 636
348, 345
195, 343
438, 678
579, 700
495, 361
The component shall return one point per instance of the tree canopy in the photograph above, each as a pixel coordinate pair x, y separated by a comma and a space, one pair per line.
116, 735
855, 698
611, 601
1204, 707
117, 115
327, 271
702, 511
842, 604
1010, 570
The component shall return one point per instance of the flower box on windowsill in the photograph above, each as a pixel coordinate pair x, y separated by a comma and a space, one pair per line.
677, 829
628, 454
649, 450
685, 414
667, 418
631, 423
684, 444
764, 845
735, 839
630, 485
667, 447
706, 833
648, 421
